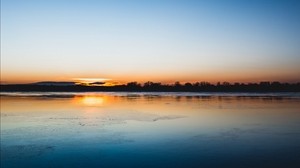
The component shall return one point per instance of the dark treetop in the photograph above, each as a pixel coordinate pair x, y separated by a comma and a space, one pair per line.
155, 87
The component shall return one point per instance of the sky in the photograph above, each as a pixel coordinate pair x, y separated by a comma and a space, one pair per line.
157, 40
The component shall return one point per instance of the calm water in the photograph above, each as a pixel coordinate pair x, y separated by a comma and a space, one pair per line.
149, 130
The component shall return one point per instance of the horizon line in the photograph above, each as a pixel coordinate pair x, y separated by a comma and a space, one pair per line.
142, 83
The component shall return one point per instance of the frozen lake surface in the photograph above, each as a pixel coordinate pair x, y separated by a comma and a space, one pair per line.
150, 130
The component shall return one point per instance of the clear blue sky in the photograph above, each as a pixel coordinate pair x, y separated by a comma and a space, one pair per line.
159, 40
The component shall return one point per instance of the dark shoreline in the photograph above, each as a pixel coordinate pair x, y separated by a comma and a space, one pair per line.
154, 87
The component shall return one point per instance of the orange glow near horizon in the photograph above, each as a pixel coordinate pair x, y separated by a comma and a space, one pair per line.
165, 78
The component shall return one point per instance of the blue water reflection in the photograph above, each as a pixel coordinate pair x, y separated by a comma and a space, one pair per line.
150, 130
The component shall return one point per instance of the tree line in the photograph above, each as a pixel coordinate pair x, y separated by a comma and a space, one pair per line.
159, 87
220, 86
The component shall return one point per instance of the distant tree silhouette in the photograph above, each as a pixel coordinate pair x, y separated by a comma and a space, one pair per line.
203, 83
226, 84
264, 83
188, 84
177, 84
133, 86
236, 84
151, 86
156, 87
196, 84
148, 84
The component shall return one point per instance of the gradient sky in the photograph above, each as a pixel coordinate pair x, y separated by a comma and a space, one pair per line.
157, 40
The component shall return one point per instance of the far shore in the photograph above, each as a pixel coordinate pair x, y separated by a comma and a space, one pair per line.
263, 87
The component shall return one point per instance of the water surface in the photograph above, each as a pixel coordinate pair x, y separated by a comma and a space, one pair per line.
150, 130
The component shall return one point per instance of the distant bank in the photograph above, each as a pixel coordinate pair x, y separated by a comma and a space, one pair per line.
154, 87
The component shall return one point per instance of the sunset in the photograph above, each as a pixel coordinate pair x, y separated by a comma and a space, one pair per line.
150, 83
166, 41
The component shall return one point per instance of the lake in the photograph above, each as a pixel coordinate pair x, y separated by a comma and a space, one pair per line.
150, 130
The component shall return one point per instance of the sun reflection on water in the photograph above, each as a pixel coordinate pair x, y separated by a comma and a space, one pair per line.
90, 100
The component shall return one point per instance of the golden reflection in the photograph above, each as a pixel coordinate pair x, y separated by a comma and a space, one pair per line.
90, 100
